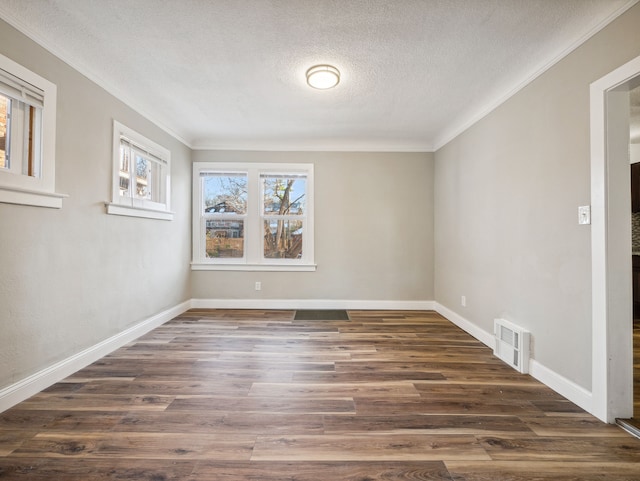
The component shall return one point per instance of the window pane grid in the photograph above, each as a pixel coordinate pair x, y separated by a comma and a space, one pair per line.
140, 173
274, 205
283, 194
224, 238
224, 193
283, 238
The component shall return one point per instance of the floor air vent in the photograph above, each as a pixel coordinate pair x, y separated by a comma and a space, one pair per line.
321, 315
512, 344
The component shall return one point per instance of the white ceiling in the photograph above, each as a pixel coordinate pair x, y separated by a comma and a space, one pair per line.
229, 74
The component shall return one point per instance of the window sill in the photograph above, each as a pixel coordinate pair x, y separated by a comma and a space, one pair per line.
126, 210
200, 266
36, 198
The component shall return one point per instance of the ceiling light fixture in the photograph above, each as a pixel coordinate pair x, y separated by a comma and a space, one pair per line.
323, 77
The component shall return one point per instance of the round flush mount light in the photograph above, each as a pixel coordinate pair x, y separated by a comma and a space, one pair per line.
323, 77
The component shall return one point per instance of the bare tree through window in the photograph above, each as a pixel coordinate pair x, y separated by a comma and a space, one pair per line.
284, 205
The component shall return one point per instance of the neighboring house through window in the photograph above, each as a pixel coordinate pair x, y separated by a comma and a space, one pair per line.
253, 216
141, 176
27, 137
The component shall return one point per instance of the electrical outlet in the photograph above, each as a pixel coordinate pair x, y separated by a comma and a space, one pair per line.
258, 286
584, 215
463, 301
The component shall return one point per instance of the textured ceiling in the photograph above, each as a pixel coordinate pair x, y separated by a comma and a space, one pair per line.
230, 73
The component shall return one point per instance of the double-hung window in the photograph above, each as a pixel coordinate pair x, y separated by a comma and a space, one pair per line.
141, 176
252, 216
27, 137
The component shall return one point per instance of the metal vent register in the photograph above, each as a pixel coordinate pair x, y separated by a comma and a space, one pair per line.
511, 344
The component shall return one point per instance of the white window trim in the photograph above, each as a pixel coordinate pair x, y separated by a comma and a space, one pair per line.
129, 206
23, 189
253, 259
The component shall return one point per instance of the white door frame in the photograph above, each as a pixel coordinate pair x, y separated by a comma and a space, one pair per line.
612, 343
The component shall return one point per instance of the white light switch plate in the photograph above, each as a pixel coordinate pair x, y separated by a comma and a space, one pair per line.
584, 214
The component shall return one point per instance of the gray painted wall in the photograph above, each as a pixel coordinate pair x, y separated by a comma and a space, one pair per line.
507, 193
73, 277
373, 231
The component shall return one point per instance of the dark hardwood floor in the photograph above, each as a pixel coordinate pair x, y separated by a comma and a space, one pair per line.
254, 395
636, 373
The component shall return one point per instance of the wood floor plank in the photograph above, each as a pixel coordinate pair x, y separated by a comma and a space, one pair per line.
369, 407
542, 471
468, 366
427, 424
455, 355
389, 447
220, 422
583, 425
315, 347
278, 356
12, 439
344, 389
266, 365
557, 406
59, 420
106, 402
139, 446
223, 375
219, 387
263, 405
18, 418
533, 392
93, 469
325, 471
369, 376
588, 449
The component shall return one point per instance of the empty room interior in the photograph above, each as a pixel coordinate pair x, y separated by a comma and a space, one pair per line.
346, 240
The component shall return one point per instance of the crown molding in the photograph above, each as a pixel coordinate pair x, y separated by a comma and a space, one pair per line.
314, 146
83, 70
450, 133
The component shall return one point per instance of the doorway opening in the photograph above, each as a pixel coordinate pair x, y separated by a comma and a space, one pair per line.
633, 424
612, 293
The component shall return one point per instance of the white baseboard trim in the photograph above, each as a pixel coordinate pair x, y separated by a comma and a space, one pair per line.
563, 386
33, 384
480, 334
24, 389
21, 390
310, 304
